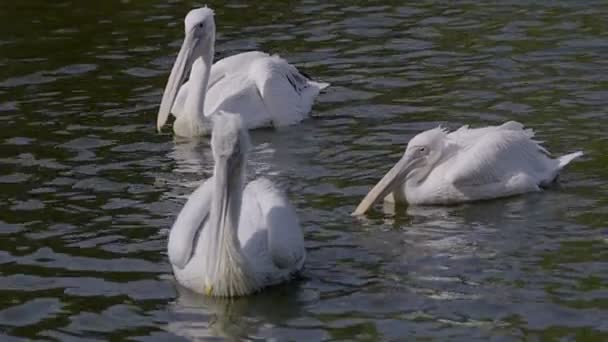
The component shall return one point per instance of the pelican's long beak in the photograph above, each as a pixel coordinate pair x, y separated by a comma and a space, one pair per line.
387, 184
222, 193
178, 73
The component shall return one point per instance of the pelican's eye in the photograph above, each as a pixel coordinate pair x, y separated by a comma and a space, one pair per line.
422, 149
200, 25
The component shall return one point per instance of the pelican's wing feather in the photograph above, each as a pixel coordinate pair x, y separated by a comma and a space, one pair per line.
287, 94
236, 93
465, 136
285, 237
496, 154
189, 223
234, 64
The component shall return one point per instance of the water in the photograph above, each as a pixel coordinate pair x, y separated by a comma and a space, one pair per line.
89, 189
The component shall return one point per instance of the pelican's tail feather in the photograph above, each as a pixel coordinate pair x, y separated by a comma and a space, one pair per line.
565, 160
319, 85
512, 126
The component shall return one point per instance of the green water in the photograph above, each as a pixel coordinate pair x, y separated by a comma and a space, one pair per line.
89, 189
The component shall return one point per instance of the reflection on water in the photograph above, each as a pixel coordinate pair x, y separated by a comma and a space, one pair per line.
89, 189
198, 317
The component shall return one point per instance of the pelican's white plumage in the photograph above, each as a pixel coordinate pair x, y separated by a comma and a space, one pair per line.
439, 167
229, 241
265, 90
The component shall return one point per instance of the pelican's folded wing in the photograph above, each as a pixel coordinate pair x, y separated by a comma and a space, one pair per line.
188, 224
287, 94
236, 93
496, 156
285, 237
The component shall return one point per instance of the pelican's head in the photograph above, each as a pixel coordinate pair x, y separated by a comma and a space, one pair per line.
422, 152
199, 23
425, 148
229, 139
199, 40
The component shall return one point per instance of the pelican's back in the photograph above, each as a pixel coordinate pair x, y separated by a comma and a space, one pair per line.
465, 136
504, 158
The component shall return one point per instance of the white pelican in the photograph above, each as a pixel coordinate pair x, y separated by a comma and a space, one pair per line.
264, 89
229, 241
467, 165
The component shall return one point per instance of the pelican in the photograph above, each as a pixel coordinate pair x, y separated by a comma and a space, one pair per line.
230, 240
264, 89
467, 165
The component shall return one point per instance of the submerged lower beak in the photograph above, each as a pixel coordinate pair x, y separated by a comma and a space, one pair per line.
392, 179
178, 73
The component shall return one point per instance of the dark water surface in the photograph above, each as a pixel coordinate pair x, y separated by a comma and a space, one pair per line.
89, 189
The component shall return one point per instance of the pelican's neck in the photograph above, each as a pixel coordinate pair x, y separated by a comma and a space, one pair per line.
194, 106
414, 185
417, 176
228, 271
417, 183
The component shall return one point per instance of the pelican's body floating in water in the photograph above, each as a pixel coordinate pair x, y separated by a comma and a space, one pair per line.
467, 165
229, 241
265, 90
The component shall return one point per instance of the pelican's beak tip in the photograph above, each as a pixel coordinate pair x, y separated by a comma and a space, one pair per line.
357, 213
